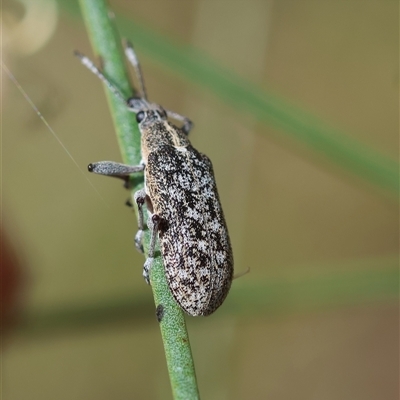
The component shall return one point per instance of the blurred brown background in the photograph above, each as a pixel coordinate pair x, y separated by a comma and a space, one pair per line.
86, 321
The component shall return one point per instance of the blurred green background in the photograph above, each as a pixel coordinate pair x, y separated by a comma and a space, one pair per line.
296, 103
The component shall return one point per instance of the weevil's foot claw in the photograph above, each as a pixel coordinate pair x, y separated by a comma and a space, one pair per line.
129, 203
139, 241
146, 269
187, 127
127, 182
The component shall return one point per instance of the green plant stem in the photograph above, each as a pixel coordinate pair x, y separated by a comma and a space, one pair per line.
107, 45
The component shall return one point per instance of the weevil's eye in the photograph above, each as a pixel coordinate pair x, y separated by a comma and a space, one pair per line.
140, 116
90, 167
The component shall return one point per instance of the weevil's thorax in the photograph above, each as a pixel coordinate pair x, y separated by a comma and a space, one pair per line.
156, 132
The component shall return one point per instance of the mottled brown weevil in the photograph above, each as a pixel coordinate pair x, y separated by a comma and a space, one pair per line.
183, 206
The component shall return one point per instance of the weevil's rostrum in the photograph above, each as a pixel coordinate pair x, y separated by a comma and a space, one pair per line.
184, 210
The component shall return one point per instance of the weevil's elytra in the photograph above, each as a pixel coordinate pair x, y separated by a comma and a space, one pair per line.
183, 206
196, 249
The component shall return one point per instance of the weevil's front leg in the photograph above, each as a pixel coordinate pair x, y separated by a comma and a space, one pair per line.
140, 198
187, 123
117, 170
89, 64
153, 224
111, 168
133, 59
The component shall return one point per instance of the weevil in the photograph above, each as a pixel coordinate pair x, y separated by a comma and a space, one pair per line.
183, 207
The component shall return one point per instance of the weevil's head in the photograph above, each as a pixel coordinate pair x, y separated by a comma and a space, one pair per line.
146, 113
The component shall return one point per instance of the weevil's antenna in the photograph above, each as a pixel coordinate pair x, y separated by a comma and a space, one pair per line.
133, 59
89, 65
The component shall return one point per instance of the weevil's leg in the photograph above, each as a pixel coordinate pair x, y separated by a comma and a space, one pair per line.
111, 168
90, 65
140, 197
128, 203
153, 224
117, 170
187, 123
133, 59
240, 274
